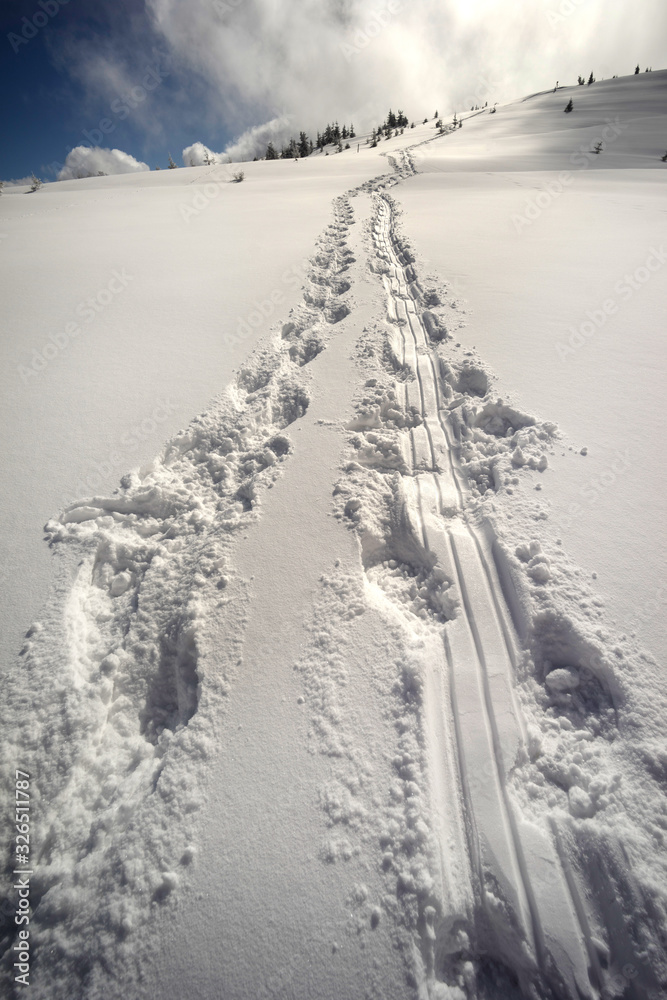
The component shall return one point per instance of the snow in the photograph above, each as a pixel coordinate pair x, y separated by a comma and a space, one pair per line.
206, 286
323, 699
531, 287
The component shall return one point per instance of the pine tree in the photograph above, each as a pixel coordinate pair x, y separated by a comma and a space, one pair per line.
304, 147
35, 185
291, 151
570, 106
663, 158
271, 152
598, 147
581, 81
172, 165
637, 69
591, 79
352, 134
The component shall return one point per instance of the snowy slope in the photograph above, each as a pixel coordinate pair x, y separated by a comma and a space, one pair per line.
320, 705
536, 251
200, 259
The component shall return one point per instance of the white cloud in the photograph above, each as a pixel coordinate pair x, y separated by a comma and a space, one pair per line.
83, 161
199, 155
254, 141
317, 60
20, 182
314, 61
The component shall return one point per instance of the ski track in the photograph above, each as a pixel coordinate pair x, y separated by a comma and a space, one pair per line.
122, 657
480, 658
525, 907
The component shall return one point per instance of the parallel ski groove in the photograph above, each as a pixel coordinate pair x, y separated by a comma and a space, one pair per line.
538, 936
402, 310
463, 589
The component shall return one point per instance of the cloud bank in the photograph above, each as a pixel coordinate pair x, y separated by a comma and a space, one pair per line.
230, 65
251, 144
311, 61
83, 161
254, 141
199, 155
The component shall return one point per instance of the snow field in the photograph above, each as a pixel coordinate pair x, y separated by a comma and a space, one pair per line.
205, 288
129, 678
338, 716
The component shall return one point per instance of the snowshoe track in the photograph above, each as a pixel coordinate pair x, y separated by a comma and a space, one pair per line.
137, 706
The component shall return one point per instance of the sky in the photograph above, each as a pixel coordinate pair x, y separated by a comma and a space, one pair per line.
152, 77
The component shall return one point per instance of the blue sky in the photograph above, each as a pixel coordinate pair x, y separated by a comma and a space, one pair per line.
163, 74
50, 101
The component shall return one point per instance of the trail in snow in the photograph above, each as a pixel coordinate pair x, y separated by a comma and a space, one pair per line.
519, 925
113, 711
530, 904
